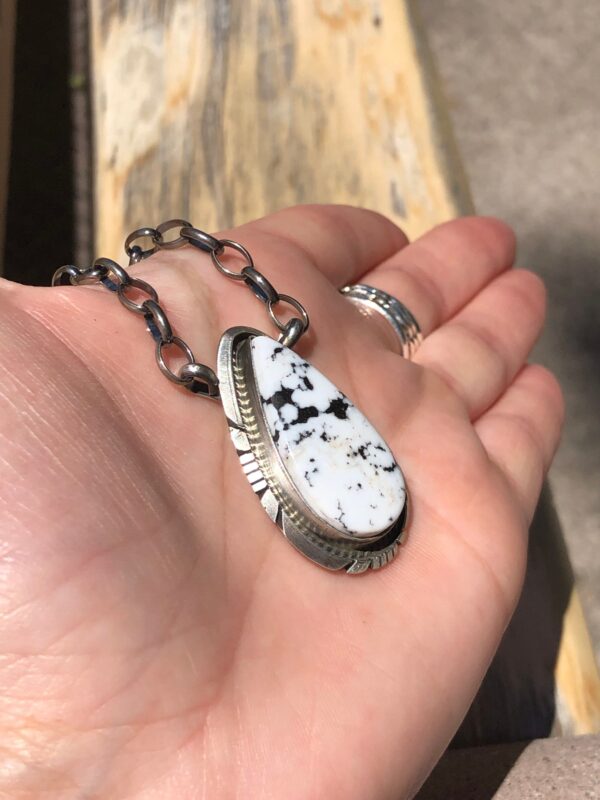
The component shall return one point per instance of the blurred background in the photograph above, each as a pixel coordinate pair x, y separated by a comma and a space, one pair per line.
525, 106
121, 114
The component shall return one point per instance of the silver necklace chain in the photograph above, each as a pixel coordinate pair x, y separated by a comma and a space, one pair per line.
192, 375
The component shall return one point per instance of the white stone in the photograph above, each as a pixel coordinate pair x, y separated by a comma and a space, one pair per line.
339, 464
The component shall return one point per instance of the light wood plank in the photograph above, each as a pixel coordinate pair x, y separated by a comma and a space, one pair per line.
222, 112
577, 684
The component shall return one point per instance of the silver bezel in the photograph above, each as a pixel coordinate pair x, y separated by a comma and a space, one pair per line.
268, 477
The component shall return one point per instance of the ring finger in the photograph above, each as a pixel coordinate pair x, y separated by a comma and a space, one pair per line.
436, 275
480, 320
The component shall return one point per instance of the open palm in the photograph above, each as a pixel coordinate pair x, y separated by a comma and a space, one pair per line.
160, 638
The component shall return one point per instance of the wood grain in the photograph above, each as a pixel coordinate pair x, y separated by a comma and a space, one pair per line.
577, 683
221, 112
7, 26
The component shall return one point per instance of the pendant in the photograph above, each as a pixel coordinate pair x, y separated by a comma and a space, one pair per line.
321, 471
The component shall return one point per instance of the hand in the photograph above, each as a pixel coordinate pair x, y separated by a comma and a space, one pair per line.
160, 638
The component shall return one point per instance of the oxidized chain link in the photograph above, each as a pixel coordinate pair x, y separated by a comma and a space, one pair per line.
198, 378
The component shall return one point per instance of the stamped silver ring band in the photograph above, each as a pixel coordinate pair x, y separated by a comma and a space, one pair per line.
399, 317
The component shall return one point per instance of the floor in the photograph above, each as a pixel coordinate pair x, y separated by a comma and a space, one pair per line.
521, 80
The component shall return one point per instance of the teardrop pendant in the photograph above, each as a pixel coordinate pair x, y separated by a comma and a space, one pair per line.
322, 472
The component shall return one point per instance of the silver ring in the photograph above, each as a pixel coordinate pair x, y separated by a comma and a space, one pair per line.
396, 313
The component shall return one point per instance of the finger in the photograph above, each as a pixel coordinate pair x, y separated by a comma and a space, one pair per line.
340, 241
301, 250
439, 273
522, 430
480, 350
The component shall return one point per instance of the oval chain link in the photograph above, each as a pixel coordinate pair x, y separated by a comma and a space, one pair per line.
196, 377
258, 284
143, 233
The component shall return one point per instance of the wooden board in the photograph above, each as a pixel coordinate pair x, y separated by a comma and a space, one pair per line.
221, 112
7, 26
577, 684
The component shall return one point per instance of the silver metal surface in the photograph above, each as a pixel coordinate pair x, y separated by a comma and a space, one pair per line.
269, 479
369, 299
169, 225
296, 305
143, 233
89, 275
68, 272
112, 268
175, 341
293, 331
155, 315
136, 283
200, 379
230, 273
201, 239
260, 286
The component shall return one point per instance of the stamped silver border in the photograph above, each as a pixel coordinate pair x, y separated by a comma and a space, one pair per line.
261, 463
